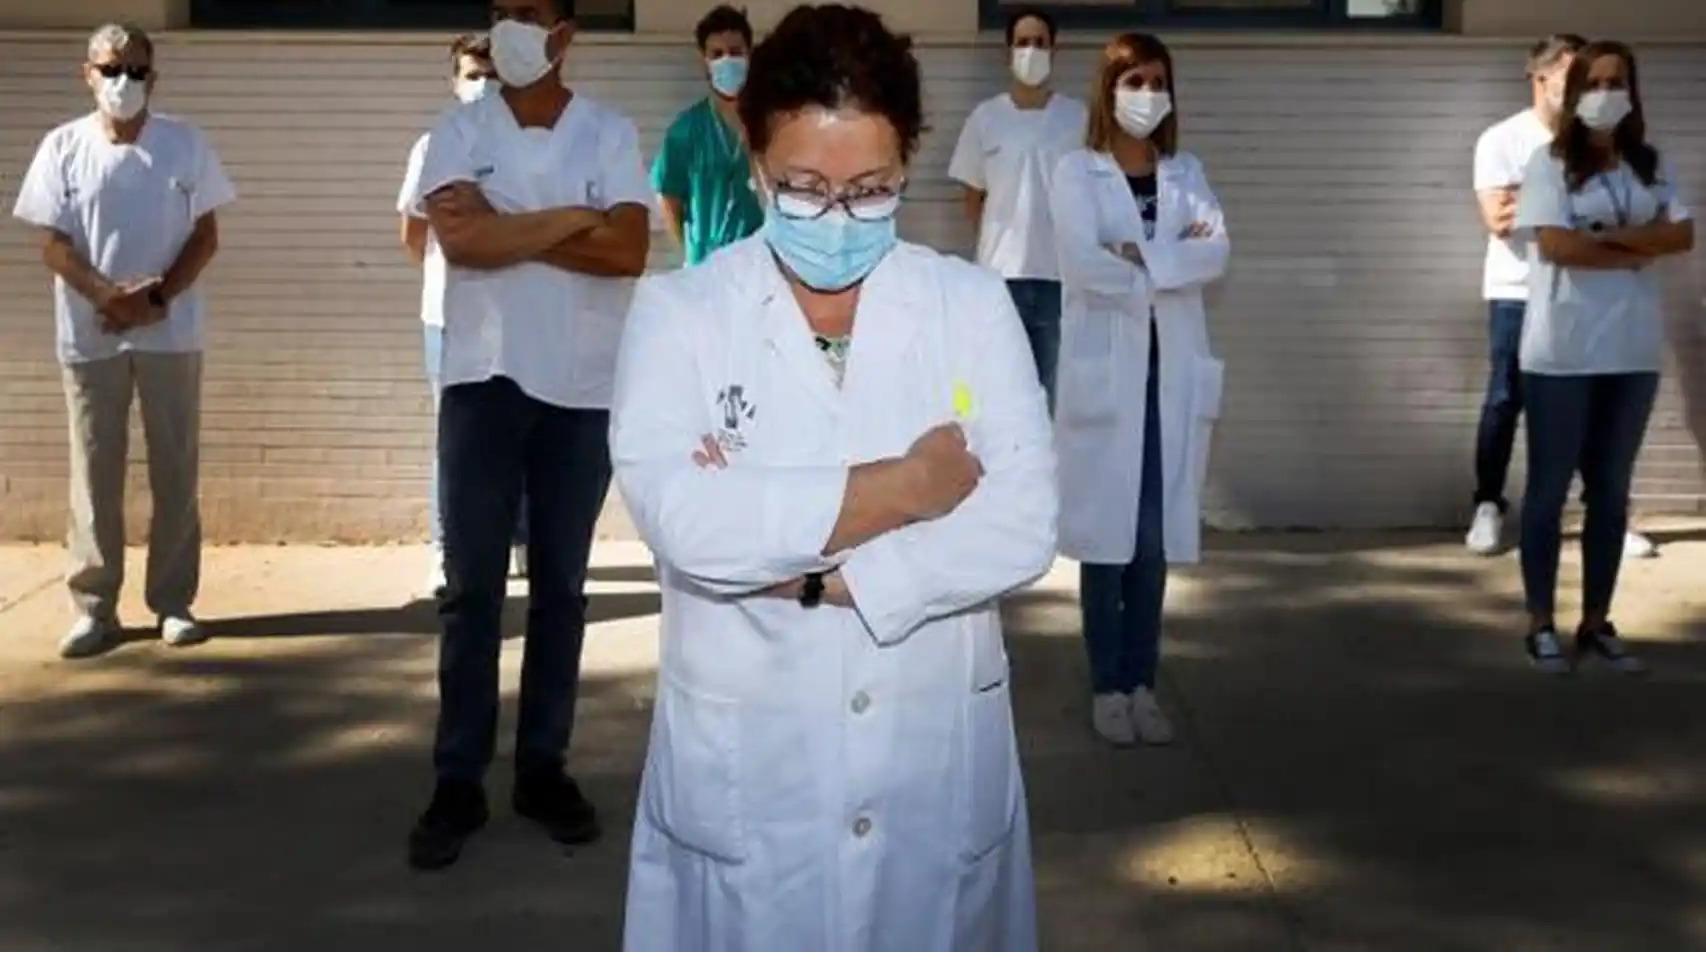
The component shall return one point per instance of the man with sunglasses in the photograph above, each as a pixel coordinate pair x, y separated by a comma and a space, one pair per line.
540, 202
125, 200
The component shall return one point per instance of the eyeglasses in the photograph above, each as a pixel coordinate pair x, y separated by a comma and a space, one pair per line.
809, 201
112, 71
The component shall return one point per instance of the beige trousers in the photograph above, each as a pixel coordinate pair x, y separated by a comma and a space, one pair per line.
97, 397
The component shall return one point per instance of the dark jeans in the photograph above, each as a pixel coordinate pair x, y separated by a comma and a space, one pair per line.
495, 442
1038, 302
1122, 602
1593, 424
434, 357
1503, 405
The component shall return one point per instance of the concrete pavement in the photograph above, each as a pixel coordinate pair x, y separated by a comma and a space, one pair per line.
1365, 761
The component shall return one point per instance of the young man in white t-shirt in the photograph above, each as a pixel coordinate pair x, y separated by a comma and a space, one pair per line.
471, 78
1005, 159
541, 203
125, 201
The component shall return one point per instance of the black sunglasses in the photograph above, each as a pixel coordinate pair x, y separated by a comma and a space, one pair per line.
112, 71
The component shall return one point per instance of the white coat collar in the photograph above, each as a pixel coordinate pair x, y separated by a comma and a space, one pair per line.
1167, 170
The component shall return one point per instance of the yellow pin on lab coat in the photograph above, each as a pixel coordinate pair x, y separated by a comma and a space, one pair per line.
1102, 375
830, 778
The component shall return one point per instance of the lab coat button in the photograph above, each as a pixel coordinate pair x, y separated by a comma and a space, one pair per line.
861, 702
862, 826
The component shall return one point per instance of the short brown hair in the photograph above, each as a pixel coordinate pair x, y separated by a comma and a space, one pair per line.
1122, 53
476, 45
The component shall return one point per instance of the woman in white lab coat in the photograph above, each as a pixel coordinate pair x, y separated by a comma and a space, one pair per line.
1140, 235
838, 449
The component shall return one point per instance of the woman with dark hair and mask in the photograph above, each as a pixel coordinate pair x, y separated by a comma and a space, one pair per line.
1600, 207
1141, 234
838, 449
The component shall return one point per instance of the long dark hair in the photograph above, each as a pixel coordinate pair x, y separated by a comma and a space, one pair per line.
1122, 53
1574, 143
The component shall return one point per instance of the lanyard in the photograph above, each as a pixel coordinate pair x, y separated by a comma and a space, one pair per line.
1623, 205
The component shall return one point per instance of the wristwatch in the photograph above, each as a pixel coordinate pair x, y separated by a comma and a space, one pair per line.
811, 593
156, 298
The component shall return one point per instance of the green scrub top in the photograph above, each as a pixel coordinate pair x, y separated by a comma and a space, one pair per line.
703, 165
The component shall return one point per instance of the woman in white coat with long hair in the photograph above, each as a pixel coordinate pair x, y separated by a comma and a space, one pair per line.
1140, 235
837, 448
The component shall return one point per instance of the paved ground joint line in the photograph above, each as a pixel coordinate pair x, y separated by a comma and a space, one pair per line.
1293, 924
28, 594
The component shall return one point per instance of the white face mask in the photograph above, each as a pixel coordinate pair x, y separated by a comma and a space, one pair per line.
1139, 112
1031, 65
518, 52
1604, 109
121, 97
469, 91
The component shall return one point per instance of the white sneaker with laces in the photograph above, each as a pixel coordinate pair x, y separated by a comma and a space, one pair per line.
1636, 546
182, 630
1110, 713
1486, 532
1547, 652
89, 637
1149, 719
518, 560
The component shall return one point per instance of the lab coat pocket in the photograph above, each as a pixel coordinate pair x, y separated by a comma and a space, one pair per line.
992, 762
692, 793
1085, 375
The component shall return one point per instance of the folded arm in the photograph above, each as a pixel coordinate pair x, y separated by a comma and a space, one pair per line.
1660, 239
1200, 256
472, 234
616, 245
1583, 250
1085, 264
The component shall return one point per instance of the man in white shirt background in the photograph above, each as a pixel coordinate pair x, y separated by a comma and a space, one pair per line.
125, 201
1005, 159
471, 77
541, 204
1501, 155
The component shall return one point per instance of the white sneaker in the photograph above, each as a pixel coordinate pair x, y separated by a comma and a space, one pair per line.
90, 637
182, 631
518, 561
1487, 531
1149, 719
1638, 547
1547, 652
1110, 713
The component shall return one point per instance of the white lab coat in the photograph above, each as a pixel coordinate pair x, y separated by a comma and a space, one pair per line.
1104, 353
830, 779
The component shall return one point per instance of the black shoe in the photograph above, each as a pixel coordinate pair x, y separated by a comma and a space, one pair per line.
458, 810
1606, 644
555, 802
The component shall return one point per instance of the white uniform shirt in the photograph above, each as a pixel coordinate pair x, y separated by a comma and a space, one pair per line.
1501, 157
1583, 321
1011, 154
129, 209
433, 266
553, 332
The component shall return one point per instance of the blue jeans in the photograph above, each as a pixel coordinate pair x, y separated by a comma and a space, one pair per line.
1122, 602
434, 357
496, 442
1038, 302
1593, 424
1503, 405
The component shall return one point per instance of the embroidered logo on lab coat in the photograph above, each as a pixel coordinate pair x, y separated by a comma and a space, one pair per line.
737, 412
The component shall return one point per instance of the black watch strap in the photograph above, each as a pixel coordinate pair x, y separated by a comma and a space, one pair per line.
811, 594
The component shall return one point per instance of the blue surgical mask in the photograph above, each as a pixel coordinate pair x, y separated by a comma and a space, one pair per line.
832, 252
728, 75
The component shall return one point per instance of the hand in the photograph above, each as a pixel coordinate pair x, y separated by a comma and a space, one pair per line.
943, 472
709, 456
1504, 215
1200, 230
128, 307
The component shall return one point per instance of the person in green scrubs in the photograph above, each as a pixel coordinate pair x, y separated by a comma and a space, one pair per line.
702, 174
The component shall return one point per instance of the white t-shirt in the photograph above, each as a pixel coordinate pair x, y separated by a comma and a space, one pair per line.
1583, 321
1011, 154
1501, 157
433, 265
129, 209
553, 332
